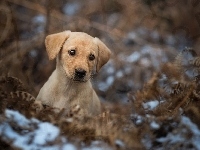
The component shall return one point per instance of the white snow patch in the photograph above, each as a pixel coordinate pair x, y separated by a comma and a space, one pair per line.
135, 56
150, 105
138, 120
39, 19
147, 49
132, 35
33, 53
34, 134
194, 129
110, 80
119, 143
145, 62
46, 132
69, 147
110, 69
71, 8
103, 86
119, 74
179, 136
17, 117
97, 145
154, 125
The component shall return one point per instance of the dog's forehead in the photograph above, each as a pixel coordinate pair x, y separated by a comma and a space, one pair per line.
80, 40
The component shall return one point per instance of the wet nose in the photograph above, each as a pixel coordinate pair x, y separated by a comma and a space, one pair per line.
80, 73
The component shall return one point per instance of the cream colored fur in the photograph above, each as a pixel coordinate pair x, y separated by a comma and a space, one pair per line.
62, 90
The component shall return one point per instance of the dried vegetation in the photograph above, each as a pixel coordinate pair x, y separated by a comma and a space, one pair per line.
163, 93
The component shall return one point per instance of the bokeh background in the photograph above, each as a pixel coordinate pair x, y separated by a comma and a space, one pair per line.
150, 86
142, 34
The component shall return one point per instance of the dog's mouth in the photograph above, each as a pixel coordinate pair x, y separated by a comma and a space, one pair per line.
78, 79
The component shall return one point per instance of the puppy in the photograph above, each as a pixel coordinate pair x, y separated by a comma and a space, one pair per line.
78, 55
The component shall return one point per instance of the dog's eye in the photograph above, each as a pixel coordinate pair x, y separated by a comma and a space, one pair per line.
72, 52
91, 57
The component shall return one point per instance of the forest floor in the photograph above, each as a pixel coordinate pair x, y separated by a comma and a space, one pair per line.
150, 88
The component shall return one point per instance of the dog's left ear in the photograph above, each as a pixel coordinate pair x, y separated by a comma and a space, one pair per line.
54, 43
103, 53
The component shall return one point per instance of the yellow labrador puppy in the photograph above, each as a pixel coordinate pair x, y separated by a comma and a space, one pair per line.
78, 55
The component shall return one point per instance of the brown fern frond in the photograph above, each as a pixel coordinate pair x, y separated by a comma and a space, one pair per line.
172, 71
184, 57
11, 84
179, 60
23, 95
195, 62
190, 50
178, 88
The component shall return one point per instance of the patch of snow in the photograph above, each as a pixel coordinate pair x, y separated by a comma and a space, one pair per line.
119, 74
69, 147
194, 129
170, 40
155, 35
135, 56
31, 133
154, 125
119, 143
147, 141
150, 105
110, 80
173, 138
97, 145
187, 127
147, 49
132, 35
33, 53
71, 8
137, 119
39, 19
46, 132
110, 69
103, 86
113, 19
17, 117
145, 62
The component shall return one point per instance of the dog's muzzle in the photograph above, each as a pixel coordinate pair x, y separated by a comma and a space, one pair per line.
79, 74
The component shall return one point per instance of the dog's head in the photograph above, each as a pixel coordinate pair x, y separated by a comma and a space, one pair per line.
78, 53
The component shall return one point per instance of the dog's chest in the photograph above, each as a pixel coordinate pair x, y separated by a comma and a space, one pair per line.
70, 96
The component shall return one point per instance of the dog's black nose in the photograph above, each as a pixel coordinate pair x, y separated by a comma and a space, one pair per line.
80, 73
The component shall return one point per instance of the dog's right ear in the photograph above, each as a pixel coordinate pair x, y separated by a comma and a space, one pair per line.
54, 43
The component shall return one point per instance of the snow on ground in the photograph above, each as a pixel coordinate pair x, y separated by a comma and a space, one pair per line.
187, 133
37, 133
151, 104
32, 134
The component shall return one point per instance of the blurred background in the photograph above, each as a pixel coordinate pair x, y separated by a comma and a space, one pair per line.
142, 35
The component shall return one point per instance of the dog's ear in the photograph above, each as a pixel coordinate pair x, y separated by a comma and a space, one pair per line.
103, 53
54, 43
